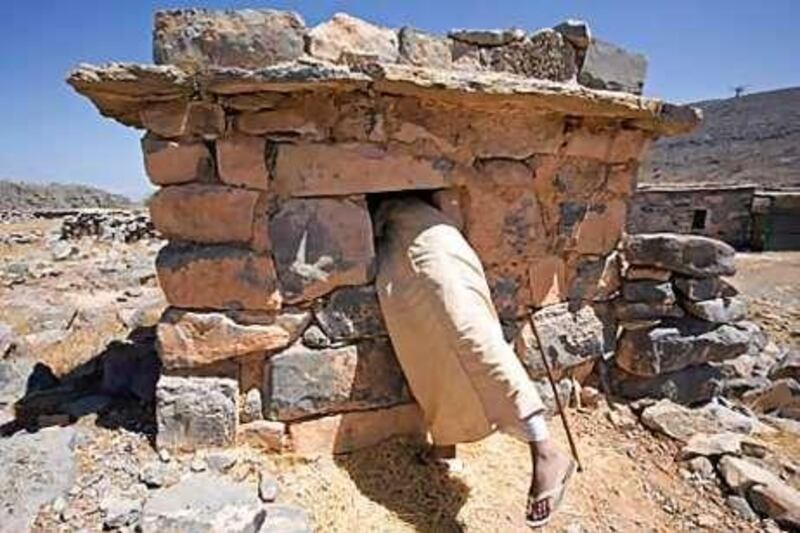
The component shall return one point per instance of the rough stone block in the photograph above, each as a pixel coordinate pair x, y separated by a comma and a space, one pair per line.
196, 412
205, 119
686, 254
189, 339
487, 38
308, 120
675, 345
349, 432
545, 55
351, 313
568, 337
425, 49
592, 278
217, 277
648, 291
166, 119
609, 146
345, 35
320, 244
548, 280
351, 168
204, 213
609, 67
687, 386
635, 273
638, 311
718, 310
697, 289
171, 163
267, 435
242, 161
595, 228
787, 367
247, 38
302, 382
576, 32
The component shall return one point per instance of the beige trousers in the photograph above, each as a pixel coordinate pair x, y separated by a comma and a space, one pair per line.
445, 330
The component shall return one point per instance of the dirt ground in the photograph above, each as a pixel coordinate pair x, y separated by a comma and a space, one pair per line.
630, 480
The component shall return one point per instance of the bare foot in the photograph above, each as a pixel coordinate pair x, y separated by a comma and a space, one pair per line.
550, 466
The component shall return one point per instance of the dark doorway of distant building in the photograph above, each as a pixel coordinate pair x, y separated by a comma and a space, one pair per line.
699, 219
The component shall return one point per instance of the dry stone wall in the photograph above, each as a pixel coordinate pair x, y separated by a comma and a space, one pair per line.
269, 141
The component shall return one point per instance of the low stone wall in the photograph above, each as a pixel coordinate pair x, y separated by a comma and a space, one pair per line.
268, 141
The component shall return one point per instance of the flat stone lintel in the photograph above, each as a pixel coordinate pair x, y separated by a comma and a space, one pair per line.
137, 86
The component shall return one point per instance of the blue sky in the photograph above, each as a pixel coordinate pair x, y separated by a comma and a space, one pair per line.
698, 49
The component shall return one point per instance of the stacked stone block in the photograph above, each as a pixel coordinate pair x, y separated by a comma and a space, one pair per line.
268, 140
679, 317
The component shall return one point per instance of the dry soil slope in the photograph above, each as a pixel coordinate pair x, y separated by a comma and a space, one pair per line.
19, 196
751, 139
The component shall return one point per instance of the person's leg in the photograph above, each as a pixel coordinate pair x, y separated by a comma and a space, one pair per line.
550, 466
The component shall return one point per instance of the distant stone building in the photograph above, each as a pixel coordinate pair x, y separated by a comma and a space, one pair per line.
741, 215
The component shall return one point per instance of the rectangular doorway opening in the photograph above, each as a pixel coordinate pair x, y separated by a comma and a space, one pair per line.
699, 218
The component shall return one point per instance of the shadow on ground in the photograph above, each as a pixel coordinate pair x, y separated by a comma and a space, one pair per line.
393, 475
118, 385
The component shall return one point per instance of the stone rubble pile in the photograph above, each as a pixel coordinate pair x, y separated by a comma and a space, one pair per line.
108, 225
681, 322
269, 142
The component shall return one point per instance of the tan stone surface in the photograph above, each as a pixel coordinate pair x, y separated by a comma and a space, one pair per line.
187, 338
320, 244
548, 280
308, 117
351, 168
266, 435
204, 213
353, 431
205, 119
217, 277
611, 146
345, 33
171, 163
166, 119
600, 228
242, 161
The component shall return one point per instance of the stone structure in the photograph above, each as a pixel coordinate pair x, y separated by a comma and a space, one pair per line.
744, 216
269, 141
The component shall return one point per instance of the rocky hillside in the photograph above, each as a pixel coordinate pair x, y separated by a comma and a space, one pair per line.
18, 196
751, 139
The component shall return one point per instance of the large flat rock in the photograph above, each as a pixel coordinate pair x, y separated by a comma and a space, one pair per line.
686, 254
35, 468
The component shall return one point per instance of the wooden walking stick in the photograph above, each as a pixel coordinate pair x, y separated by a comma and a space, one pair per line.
560, 408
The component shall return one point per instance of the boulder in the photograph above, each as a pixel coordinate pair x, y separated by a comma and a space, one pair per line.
204, 502
196, 412
217, 277
204, 213
634, 273
343, 36
171, 162
245, 38
425, 49
787, 367
609, 67
576, 32
568, 337
712, 445
648, 291
487, 38
36, 468
681, 423
638, 311
348, 432
685, 254
189, 339
741, 474
308, 169
781, 397
301, 382
778, 501
674, 345
351, 313
242, 161
697, 289
283, 518
544, 55
320, 244
690, 385
718, 310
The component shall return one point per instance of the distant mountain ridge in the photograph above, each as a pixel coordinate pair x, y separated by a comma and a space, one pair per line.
21, 196
751, 139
